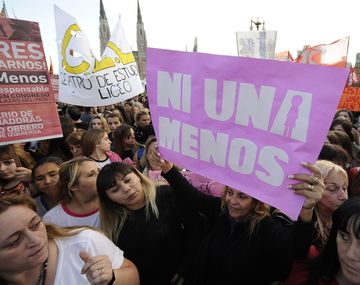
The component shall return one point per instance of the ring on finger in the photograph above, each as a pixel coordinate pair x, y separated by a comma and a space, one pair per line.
101, 271
310, 187
315, 180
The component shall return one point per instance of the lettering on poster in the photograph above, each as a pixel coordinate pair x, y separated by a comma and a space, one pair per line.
30, 94
114, 76
19, 123
21, 56
242, 103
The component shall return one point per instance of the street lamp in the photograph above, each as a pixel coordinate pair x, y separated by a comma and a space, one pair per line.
257, 24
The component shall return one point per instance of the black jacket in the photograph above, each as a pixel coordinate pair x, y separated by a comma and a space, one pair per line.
229, 255
164, 246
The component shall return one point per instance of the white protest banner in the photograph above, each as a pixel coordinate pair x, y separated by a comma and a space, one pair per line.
87, 81
257, 44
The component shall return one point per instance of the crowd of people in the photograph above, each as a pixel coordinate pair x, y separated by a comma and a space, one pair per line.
102, 206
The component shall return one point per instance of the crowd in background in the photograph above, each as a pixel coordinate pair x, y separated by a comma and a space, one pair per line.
106, 173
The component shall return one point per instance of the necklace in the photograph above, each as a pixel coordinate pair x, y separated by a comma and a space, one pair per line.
42, 276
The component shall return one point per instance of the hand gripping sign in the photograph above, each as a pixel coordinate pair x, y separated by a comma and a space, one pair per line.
244, 122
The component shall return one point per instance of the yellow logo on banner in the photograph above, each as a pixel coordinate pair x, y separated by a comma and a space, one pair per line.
124, 58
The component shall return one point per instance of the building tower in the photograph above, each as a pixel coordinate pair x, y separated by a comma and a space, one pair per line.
195, 48
141, 44
104, 31
3, 13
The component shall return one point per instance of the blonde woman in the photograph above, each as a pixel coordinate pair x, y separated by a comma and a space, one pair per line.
335, 194
245, 244
32, 252
80, 206
146, 222
146, 161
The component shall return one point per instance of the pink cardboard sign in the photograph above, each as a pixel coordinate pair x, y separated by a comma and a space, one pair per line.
203, 184
244, 122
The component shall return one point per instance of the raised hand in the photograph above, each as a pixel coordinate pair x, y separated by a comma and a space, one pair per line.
311, 186
23, 174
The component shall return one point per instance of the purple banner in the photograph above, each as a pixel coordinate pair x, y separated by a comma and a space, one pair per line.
246, 123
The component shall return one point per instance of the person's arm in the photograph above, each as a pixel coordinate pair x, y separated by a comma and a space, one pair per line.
294, 242
23, 174
98, 270
104, 262
312, 187
208, 205
127, 274
136, 161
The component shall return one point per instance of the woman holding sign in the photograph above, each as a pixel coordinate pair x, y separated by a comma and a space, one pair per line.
32, 252
245, 245
157, 232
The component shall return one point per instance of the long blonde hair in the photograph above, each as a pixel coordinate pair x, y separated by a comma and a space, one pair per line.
257, 213
327, 169
112, 214
144, 162
69, 174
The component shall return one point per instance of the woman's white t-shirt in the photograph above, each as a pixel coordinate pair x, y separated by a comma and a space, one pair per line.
69, 264
61, 215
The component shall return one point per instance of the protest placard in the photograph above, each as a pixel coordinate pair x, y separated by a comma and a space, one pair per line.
27, 106
203, 184
86, 81
334, 54
257, 44
350, 99
244, 122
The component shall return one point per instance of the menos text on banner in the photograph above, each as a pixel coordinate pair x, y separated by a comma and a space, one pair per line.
242, 102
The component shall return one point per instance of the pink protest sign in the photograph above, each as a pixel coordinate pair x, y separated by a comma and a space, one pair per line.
202, 183
246, 123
